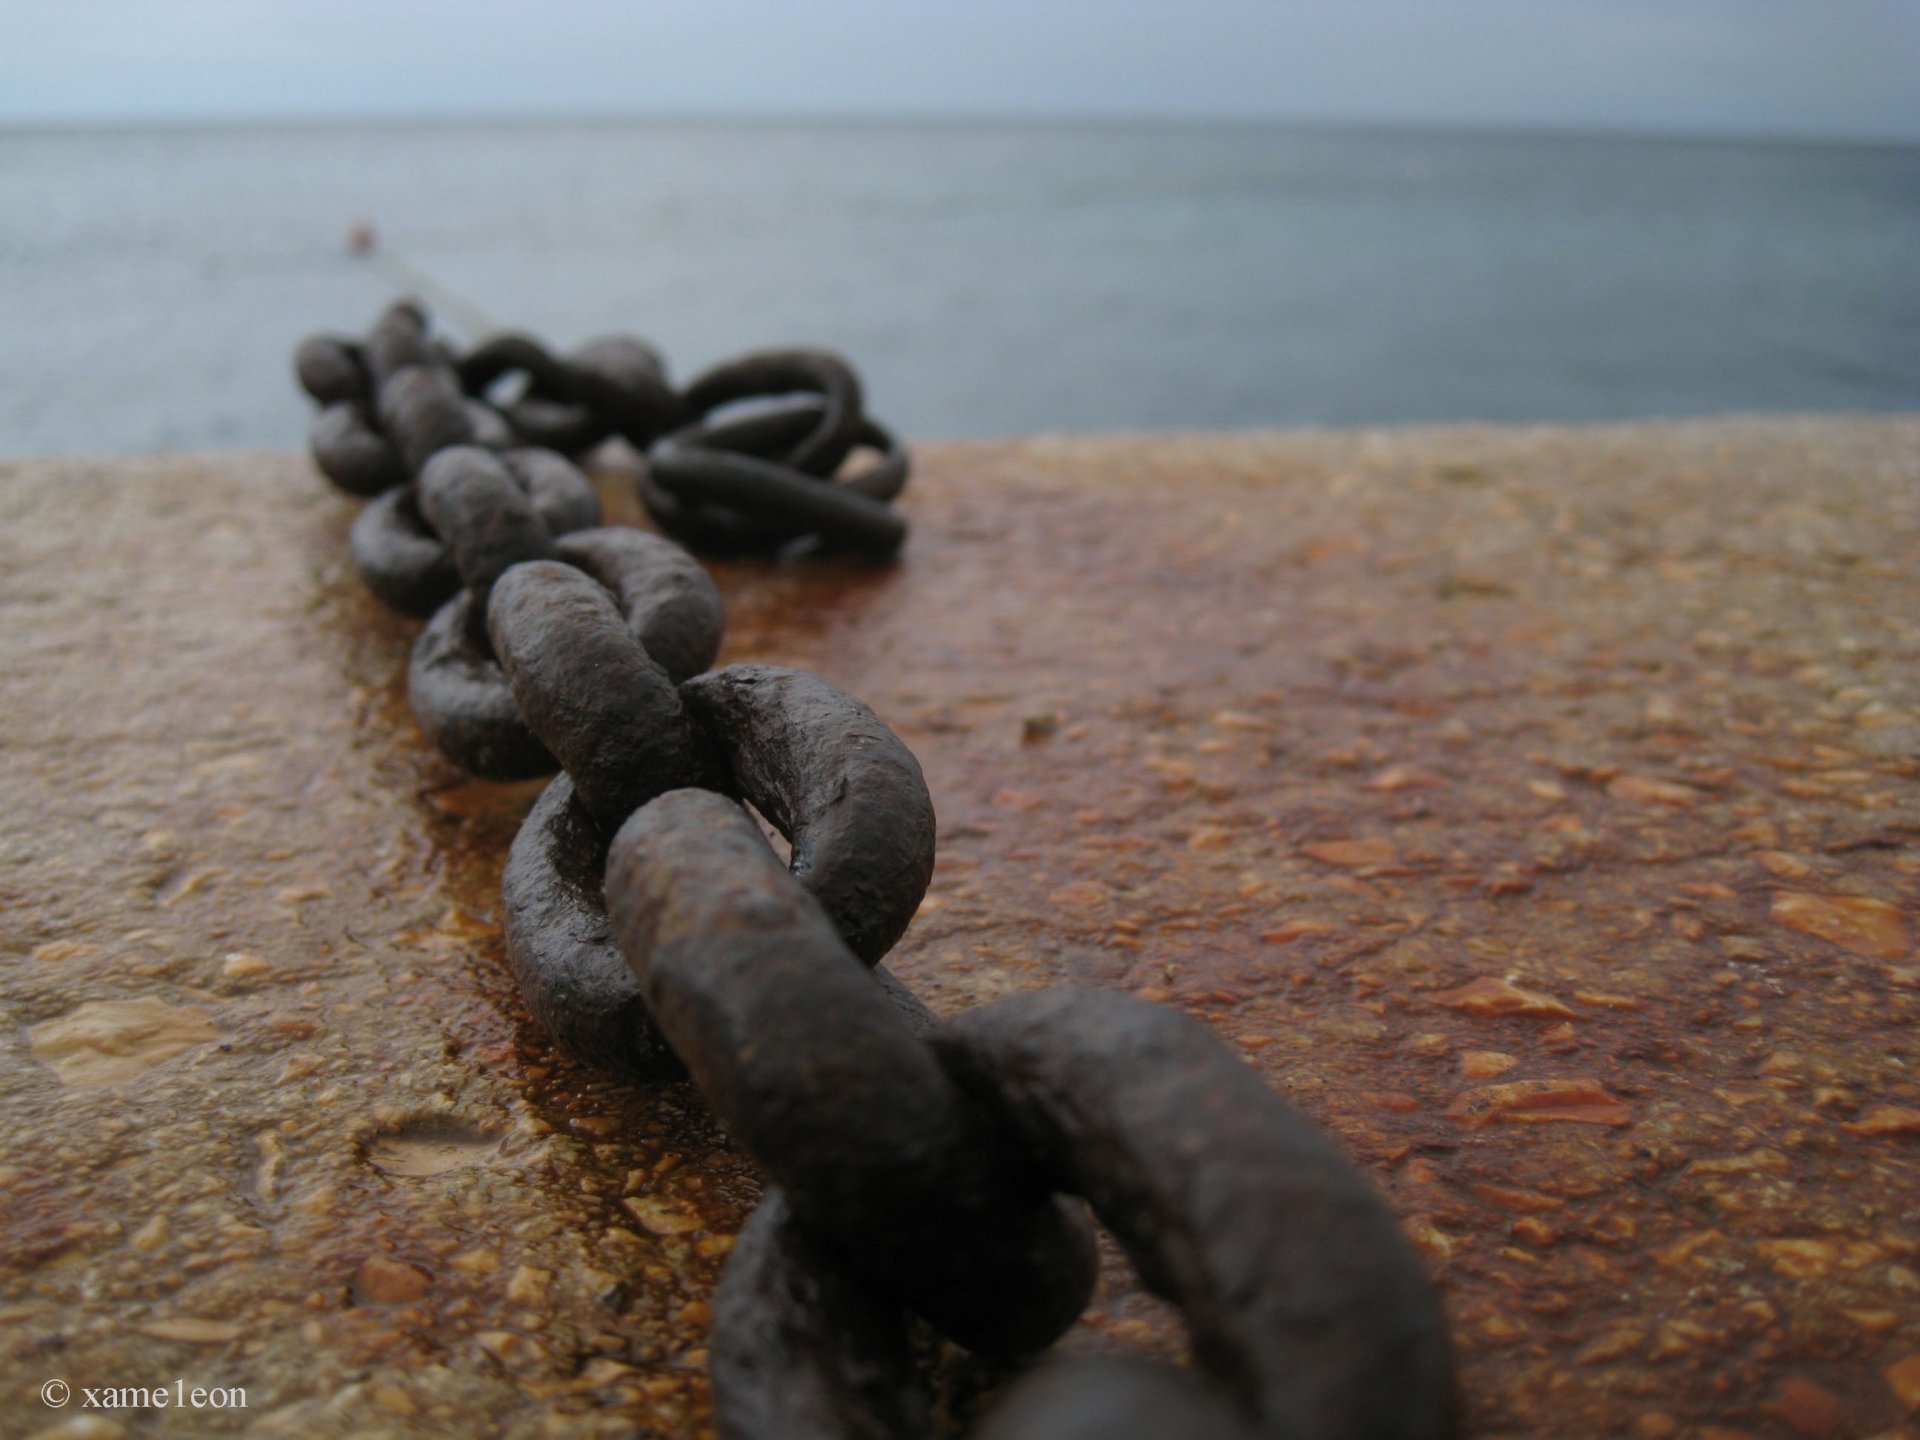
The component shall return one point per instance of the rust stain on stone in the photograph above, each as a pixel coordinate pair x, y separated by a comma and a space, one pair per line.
1587, 724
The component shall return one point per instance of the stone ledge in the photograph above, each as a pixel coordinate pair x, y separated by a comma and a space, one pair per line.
1536, 808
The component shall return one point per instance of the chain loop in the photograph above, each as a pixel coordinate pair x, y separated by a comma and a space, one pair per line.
462, 700
422, 412
1309, 1313
560, 492
485, 516
330, 369
571, 975
500, 356
566, 426
398, 339
408, 566
1305, 1303
763, 374
785, 503
624, 382
838, 783
817, 1075
389, 404
800, 1349
670, 602
767, 478
351, 451
611, 385
592, 694
772, 431
766, 434
400, 559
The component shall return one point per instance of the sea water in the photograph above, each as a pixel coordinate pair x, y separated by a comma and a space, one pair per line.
988, 279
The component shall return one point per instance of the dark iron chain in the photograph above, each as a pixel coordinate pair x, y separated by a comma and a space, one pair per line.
939, 1168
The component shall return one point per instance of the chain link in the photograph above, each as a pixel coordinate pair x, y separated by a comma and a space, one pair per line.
944, 1169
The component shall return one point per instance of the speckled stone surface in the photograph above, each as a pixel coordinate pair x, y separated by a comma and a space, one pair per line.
1538, 809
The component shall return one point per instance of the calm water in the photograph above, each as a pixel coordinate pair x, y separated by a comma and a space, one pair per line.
987, 279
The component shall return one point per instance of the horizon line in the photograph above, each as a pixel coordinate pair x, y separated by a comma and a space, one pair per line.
1399, 125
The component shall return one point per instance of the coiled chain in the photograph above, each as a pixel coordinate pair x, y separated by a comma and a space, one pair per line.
943, 1168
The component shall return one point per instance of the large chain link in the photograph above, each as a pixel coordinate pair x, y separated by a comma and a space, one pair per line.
939, 1168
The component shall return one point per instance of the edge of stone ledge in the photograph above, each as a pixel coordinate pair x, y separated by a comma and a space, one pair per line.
1402, 433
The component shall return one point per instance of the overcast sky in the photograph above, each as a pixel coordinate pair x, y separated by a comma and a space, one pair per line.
1844, 68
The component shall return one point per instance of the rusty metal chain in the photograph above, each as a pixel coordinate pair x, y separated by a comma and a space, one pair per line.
944, 1169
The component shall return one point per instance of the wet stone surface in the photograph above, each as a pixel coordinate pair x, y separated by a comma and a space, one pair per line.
1538, 810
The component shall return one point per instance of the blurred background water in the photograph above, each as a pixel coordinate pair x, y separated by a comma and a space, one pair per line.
987, 278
